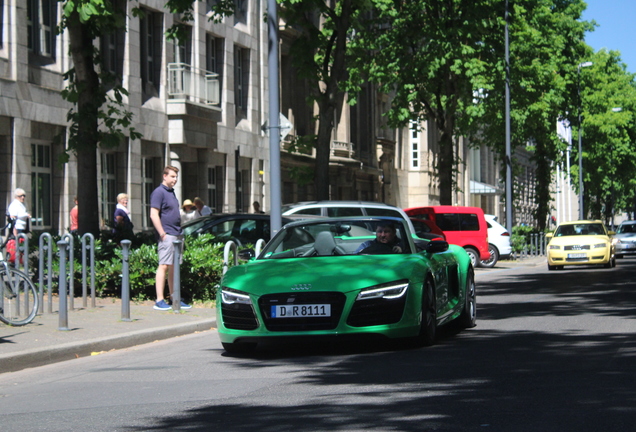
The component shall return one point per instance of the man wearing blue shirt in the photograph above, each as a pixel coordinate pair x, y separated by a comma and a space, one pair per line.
166, 218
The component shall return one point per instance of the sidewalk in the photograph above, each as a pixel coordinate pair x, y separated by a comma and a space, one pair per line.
94, 330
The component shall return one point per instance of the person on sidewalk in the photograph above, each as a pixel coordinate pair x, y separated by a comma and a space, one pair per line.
74, 214
188, 211
166, 219
123, 229
201, 207
17, 211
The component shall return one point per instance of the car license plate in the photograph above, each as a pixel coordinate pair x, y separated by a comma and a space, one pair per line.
577, 255
300, 311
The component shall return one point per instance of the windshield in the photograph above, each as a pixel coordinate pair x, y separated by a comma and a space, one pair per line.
580, 229
627, 228
346, 236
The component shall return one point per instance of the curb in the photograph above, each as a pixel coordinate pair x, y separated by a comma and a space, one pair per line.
42, 356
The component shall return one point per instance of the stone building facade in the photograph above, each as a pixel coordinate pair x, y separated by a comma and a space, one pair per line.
201, 105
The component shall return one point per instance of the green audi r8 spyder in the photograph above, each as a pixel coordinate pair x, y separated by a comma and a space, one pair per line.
346, 277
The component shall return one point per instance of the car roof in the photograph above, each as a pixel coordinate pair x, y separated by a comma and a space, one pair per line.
337, 203
226, 216
581, 222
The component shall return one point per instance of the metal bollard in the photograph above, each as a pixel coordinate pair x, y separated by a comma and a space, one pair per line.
90, 238
71, 270
176, 280
46, 246
125, 281
226, 254
22, 253
260, 244
63, 312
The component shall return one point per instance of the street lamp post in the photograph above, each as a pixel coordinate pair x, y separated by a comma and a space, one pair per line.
581, 210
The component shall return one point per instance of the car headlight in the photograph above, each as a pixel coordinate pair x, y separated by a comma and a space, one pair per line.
615, 241
600, 245
391, 290
555, 247
232, 296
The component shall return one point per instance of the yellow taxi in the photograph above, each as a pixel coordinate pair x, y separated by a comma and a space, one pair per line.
582, 242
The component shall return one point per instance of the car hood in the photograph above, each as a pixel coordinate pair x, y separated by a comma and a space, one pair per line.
579, 240
339, 273
626, 236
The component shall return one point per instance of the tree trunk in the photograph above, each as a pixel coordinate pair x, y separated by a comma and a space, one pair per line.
89, 101
323, 150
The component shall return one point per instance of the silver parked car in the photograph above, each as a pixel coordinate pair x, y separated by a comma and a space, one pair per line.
625, 239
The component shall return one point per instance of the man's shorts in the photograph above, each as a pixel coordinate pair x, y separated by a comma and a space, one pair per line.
166, 249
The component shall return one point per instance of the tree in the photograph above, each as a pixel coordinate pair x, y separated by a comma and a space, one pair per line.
321, 55
98, 119
434, 56
608, 98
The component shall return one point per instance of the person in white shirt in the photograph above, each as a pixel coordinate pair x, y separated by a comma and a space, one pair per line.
17, 211
188, 211
202, 209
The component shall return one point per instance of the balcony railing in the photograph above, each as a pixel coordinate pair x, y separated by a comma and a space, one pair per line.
192, 84
338, 148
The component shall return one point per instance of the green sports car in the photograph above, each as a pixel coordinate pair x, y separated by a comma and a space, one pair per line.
346, 276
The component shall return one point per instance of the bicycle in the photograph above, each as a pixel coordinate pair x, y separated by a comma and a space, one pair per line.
19, 299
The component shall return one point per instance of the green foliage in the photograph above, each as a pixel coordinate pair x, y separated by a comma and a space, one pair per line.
200, 272
521, 238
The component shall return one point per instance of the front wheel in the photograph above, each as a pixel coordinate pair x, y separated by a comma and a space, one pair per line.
494, 257
428, 325
18, 298
468, 317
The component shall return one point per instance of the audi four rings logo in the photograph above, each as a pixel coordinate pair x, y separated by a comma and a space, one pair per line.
301, 287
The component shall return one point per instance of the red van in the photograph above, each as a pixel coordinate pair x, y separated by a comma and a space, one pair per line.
463, 226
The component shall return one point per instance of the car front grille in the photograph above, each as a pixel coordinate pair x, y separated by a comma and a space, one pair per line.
576, 247
335, 299
238, 316
376, 312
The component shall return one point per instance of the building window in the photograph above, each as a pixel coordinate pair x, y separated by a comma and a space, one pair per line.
41, 177
148, 185
415, 145
241, 81
240, 12
150, 43
113, 46
1, 23
214, 48
108, 199
41, 22
183, 48
215, 189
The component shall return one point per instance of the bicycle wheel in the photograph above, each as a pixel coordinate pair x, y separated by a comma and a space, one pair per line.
18, 298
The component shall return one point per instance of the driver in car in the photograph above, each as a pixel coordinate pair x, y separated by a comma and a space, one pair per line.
386, 241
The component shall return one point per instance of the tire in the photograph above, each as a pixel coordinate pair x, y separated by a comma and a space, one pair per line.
474, 256
428, 326
551, 267
494, 257
468, 317
19, 299
239, 347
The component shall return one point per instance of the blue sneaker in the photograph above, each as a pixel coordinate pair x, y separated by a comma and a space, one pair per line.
162, 306
185, 306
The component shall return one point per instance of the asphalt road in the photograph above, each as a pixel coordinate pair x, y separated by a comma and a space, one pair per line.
552, 351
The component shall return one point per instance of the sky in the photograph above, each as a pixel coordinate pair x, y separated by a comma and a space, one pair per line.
616, 21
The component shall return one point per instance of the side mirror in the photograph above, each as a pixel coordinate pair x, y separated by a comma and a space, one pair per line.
549, 235
246, 254
611, 233
436, 246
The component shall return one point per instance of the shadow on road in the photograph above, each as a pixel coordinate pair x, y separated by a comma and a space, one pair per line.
474, 380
